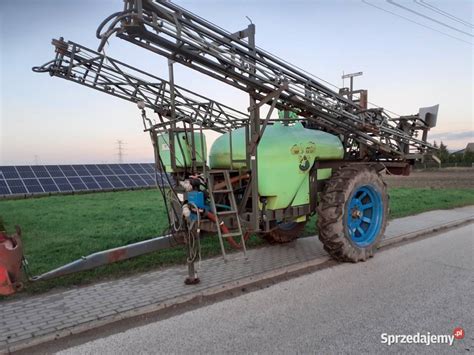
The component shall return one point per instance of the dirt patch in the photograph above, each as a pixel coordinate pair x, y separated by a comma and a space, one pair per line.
455, 178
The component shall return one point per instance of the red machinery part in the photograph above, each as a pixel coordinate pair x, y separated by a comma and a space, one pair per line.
6, 287
11, 255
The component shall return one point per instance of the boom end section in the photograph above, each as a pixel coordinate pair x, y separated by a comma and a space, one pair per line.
429, 115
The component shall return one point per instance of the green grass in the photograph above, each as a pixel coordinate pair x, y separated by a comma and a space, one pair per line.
410, 201
60, 229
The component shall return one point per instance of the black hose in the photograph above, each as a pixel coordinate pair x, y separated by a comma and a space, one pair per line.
107, 19
46, 67
105, 36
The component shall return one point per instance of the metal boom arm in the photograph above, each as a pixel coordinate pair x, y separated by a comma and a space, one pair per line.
92, 69
171, 31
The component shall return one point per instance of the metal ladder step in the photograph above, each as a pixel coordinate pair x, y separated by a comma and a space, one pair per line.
232, 234
226, 213
237, 232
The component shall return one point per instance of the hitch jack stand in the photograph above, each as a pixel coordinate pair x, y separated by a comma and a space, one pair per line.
192, 278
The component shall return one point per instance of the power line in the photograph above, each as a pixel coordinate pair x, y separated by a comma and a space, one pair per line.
351, 90
307, 72
267, 52
328, 82
444, 13
415, 22
120, 150
428, 18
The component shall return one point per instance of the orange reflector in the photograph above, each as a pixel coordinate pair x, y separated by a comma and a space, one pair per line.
6, 287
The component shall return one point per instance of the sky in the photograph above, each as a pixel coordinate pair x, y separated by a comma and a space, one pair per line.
48, 120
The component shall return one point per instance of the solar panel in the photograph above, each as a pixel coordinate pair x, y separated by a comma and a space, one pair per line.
48, 185
117, 169
49, 179
81, 170
103, 182
128, 169
46, 181
63, 184
114, 180
138, 168
77, 184
9, 172
148, 168
16, 186
149, 180
54, 171
68, 170
25, 172
126, 181
40, 171
105, 169
60, 180
4, 190
93, 169
90, 183
33, 185
138, 180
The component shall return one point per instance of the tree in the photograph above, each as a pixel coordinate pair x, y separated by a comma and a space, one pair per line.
453, 158
468, 157
443, 153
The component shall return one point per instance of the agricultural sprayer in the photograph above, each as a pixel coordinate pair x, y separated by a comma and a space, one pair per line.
264, 175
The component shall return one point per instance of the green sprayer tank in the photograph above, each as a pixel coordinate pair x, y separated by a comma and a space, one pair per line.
182, 144
285, 156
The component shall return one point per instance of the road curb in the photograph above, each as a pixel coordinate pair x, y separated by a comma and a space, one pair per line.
426, 231
227, 290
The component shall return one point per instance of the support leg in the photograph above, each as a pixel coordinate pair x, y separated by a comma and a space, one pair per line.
192, 278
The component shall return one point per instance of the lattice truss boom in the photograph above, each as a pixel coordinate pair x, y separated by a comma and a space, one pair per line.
87, 67
171, 31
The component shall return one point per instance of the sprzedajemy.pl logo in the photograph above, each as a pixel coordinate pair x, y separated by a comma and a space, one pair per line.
419, 338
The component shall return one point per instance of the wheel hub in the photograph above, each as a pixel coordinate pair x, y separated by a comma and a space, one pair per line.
356, 213
364, 217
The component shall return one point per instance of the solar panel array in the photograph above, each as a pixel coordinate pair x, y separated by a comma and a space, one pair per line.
50, 179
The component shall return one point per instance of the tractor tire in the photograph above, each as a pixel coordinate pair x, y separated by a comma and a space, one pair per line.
285, 233
352, 213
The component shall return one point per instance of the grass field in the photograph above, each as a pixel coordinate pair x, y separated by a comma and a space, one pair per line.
60, 229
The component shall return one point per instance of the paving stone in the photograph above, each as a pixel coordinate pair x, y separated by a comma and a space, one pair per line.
44, 331
39, 315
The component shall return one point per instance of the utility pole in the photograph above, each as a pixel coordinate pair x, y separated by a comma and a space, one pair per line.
36, 159
120, 150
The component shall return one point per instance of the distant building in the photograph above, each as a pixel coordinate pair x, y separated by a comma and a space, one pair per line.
469, 148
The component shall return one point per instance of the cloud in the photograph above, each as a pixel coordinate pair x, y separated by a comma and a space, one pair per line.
449, 136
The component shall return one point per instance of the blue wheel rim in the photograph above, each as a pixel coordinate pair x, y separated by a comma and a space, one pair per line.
364, 215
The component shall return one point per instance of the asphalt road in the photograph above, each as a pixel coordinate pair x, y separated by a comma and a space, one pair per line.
420, 287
